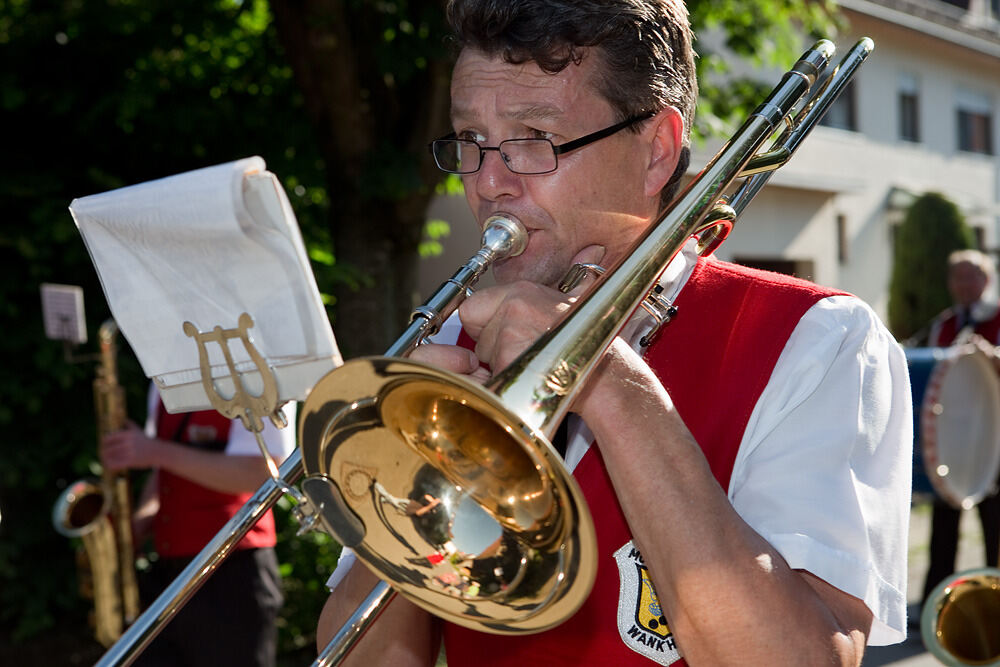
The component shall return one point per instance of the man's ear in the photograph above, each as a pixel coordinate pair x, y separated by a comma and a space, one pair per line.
668, 128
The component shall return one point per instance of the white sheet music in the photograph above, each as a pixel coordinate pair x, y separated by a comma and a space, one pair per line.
205, 246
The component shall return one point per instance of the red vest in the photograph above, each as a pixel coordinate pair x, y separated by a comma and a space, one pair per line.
190, 515
948, 329
714, 358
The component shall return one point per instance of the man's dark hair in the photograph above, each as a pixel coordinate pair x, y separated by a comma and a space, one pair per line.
645, 49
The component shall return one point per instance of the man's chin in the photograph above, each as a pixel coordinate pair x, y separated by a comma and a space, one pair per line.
512, 271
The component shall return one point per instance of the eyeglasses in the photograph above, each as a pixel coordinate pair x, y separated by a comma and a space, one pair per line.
522, 156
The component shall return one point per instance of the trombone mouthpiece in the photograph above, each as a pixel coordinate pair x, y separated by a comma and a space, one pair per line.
504, 235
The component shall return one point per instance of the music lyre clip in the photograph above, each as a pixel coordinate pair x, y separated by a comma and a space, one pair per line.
251, 409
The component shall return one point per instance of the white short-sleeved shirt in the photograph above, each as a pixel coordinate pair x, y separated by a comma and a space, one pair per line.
242, 442
834, 422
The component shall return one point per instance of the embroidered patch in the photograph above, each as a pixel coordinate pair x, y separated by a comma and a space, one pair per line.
641, 623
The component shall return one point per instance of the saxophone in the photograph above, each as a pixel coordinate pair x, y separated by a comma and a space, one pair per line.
99, 512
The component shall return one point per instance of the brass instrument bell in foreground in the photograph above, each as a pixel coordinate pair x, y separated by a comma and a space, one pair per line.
960, 622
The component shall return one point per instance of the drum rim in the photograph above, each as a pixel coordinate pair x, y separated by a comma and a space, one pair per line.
930, 446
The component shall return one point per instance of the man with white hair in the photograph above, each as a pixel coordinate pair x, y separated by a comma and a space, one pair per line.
971, 318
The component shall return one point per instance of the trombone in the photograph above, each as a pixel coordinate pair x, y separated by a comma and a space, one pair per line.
451, 491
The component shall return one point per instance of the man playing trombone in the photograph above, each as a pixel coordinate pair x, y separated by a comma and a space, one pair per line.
753, 463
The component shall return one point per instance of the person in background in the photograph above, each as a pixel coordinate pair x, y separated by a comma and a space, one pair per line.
204, 468
753, 462
973, 319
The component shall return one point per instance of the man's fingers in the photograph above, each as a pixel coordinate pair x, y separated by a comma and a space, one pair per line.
480, 375
592, 254
479, 308
449, 357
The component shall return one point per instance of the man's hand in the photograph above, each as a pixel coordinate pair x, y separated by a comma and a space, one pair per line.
452, 358
128, 448
504, 321
992, 352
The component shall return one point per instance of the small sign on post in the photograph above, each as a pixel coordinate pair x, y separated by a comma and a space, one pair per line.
62, 312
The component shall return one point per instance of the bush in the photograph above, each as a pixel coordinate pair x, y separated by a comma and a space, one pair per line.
306, 563
932, 229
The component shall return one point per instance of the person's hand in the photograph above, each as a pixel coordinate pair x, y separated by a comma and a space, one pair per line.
128, 448
991, 351
451, 358
504, 321
982, 345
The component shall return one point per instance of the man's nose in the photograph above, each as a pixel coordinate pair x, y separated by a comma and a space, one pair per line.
494, 180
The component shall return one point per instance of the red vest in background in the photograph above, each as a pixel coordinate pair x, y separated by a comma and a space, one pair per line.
190, 515
714, 358
948, 331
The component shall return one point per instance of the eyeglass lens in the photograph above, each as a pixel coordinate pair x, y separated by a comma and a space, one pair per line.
522, 156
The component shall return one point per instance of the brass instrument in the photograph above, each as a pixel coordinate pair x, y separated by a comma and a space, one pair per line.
385, 440
960, 622
99, 512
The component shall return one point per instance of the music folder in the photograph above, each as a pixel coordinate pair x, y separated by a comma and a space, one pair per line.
217, 248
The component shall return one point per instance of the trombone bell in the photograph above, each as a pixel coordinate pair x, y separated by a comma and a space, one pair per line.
447, 495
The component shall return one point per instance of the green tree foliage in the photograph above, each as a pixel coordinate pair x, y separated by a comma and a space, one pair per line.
931, 230
340, 98
374, 77
763, 34
97, 95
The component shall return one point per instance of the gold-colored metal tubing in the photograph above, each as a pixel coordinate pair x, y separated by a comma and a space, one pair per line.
758, 169
100, 512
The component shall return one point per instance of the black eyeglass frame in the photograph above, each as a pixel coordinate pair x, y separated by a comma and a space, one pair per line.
561, 149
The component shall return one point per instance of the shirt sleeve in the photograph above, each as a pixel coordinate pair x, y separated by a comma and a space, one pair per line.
824, 468
344, 563
280, 442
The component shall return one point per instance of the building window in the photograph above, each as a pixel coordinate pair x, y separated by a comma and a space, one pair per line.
975, 122
974, 132
841, 113
909, 110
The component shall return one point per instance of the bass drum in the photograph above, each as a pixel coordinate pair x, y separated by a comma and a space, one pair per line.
959, 422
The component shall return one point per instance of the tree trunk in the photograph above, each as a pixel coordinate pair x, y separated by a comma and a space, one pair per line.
372, 126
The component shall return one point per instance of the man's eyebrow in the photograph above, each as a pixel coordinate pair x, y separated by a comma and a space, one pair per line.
525, 113
536, 112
